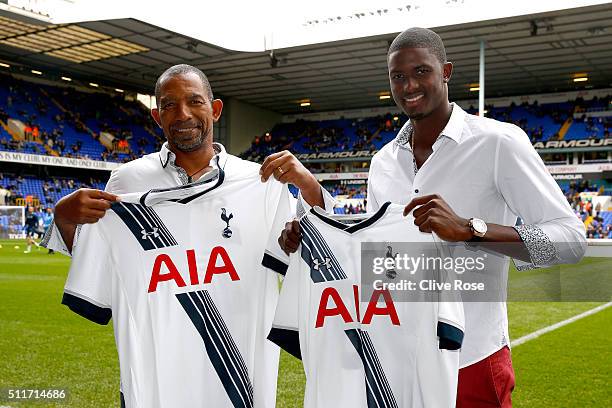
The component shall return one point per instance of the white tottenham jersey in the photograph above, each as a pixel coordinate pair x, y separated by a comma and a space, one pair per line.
180, 272
358, 353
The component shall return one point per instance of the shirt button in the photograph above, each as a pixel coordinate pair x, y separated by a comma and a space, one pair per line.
416, 190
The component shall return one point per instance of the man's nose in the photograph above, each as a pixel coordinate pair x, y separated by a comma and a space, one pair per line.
410, 85
183, 112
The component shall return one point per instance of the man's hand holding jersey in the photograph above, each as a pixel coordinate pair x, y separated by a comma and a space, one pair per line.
84, 206
286, 168
433, 214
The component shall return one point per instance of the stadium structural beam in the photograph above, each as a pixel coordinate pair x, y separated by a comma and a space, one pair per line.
481, 80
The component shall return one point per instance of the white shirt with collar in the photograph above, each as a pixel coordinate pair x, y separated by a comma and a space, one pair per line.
158, 170
486, 169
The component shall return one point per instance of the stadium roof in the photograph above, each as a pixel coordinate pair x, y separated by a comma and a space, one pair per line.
527, 54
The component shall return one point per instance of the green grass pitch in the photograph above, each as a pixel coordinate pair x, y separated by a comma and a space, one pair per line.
43, 344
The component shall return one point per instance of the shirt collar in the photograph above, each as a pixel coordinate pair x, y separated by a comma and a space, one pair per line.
167, 157
452, 130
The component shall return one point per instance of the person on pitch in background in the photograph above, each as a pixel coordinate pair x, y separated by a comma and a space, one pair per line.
467, 178
186, 113
31, 228
47, 218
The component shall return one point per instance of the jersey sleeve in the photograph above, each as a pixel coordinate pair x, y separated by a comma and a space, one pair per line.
279, 211
285, 327
88, 287
53, 238
451, 318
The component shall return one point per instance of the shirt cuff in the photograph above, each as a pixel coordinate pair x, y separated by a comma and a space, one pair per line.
53, 240
303, 207
541, 249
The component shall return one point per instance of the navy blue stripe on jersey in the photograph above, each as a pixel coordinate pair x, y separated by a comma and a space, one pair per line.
378, 390
226, 339
319, 240
276, 265
317, 275
451, 337
377, 370
242, 369
150, 229
288, 340
163, 229
317, 254
147, 233
121, 210
145, 225
88, 310
220, 347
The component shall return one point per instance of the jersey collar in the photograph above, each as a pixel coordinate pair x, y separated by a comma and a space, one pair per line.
187, 192
350, 228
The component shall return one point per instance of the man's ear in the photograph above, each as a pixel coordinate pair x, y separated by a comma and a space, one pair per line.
155, 115
447, 71
217, 108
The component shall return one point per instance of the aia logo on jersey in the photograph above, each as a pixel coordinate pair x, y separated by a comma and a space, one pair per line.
165, 269
227, 232
332, 304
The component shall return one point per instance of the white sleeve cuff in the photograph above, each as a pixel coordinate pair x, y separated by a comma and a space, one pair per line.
303, 207
53, 240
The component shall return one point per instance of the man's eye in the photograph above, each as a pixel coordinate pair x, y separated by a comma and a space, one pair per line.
167, 105
197, 102
397, 76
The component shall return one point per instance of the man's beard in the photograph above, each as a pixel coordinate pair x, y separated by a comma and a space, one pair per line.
190, 145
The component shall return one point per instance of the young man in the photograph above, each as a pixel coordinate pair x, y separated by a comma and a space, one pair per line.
467, 178
150, 241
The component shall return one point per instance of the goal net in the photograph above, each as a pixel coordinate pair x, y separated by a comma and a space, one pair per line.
12, 220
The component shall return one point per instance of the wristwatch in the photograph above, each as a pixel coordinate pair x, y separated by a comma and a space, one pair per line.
478, 227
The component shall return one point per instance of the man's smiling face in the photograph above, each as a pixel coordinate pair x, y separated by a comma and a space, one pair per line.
418, 81
186, 113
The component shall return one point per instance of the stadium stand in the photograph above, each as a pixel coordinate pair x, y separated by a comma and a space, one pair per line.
64, 121
553, 121
73, 127
30, 190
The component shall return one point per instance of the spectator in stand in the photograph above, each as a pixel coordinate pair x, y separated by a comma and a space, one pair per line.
4, 196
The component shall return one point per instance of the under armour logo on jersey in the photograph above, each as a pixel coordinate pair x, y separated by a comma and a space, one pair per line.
317, 263
227, 232
146, 234
145, 225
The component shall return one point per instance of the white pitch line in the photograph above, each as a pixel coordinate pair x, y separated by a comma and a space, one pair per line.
555, 326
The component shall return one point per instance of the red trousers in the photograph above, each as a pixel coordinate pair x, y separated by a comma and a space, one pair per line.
487, 383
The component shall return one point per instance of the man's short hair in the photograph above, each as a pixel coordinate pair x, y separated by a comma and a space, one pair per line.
181, 69
417, 37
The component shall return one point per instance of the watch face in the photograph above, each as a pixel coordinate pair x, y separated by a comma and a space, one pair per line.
479, 225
